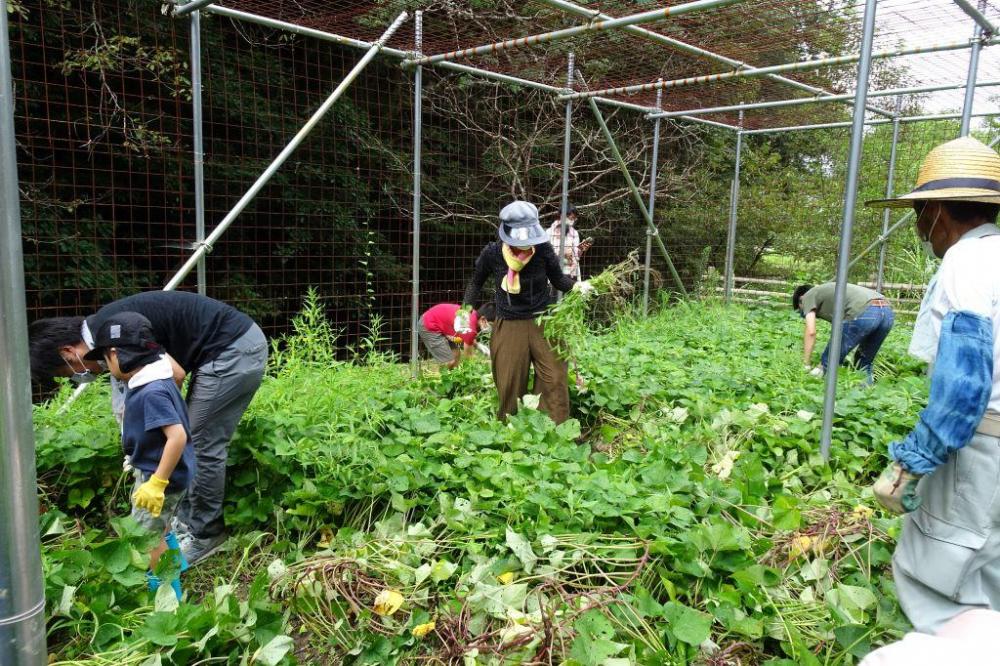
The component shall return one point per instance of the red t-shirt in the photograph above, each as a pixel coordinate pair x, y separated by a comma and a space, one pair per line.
441, 319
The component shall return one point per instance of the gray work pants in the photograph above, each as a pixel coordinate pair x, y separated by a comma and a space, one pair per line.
948, 557
219, 393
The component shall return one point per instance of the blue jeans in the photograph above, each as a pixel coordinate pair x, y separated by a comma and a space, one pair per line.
866, 332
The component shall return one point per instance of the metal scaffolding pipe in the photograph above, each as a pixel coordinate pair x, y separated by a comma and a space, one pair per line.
850, 198
635, 192
799, 101
322, 35
198, 139
22, 594
591, 26
970, 82
567, 147
904, 119
774, 69
648, 265
690, 49
889, 187
418, 119
977, 15
734, 202
191, 7
286, 152
711, 123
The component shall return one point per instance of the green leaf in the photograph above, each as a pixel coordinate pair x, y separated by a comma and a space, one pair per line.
854, 638
593, 644
421, 574
442, 570
786, 514
165, 600
687, 624
275, 650
161, 629
115, 556
66, 601
522, 549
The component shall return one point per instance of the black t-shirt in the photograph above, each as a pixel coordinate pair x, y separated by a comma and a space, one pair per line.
193, 329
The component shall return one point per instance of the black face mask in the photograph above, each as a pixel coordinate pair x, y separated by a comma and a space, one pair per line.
80, 378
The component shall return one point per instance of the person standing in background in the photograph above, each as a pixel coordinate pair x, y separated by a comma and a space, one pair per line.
573, 249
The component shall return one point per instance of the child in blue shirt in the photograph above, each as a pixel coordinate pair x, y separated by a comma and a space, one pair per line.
155, 428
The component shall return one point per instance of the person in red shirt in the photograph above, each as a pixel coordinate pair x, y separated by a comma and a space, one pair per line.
436, 330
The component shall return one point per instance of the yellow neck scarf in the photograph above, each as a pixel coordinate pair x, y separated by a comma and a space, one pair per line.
516, 261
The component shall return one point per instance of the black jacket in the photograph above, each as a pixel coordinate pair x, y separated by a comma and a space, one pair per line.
535, 294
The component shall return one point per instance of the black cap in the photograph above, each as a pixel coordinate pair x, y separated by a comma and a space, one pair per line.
124, 330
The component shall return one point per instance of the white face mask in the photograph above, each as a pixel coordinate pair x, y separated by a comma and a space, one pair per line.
925, 241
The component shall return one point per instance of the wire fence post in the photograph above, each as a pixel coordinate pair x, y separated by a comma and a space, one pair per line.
198, 139
418, 89
652, 203
850, 199
970, 82
889, 187
734, 202
567, 146
22, 596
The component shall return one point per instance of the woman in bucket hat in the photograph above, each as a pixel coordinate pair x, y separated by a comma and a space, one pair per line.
522, 264
945, 474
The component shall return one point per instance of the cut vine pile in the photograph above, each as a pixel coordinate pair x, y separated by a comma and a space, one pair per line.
382, 521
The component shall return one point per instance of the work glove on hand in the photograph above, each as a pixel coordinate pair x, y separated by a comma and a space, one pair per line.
150, 495
463, 323
483, 349
896, 489
584, 287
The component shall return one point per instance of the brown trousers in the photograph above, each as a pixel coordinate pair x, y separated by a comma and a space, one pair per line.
515, 346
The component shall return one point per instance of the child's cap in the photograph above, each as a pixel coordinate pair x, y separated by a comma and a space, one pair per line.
125, 330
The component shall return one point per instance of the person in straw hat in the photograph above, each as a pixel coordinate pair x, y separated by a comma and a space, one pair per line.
522, 264
945, 474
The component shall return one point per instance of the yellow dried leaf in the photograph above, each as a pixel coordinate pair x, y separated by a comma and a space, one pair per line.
506, 578
862, 512
388, 602
422, 630
800, 546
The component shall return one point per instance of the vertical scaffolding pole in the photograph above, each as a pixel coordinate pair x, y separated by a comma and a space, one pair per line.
889, 187
640, 204
734, 202
199, 147
418, 115
22, 597
850, 199
970, 82
652, 203
567, 146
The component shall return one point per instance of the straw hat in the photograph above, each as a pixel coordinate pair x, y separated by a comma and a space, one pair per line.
519, 226
961, 170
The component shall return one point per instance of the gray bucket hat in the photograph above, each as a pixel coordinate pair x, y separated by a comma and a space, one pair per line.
519, 226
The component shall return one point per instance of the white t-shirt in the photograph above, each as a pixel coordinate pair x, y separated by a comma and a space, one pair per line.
967, 280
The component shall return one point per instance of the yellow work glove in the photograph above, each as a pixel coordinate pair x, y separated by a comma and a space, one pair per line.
150, 496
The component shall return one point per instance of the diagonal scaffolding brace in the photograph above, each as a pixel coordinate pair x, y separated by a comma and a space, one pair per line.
286, 152
636, 194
